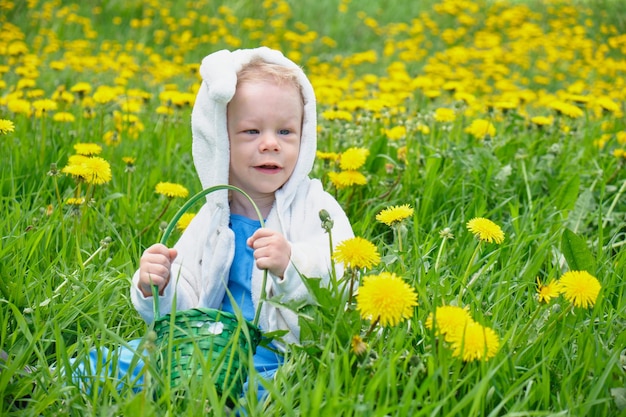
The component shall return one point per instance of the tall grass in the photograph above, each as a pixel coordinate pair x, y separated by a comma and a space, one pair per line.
65, 271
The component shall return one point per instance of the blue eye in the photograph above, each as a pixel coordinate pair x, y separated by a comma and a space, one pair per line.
284, 131
252, 131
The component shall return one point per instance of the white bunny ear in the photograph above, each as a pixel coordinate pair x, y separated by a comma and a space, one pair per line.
219, 72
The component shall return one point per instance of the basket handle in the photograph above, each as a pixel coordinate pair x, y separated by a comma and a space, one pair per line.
179, 214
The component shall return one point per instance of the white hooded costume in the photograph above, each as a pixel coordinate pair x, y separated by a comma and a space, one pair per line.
199, 274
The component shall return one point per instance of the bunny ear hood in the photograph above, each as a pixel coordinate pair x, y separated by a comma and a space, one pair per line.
210, 148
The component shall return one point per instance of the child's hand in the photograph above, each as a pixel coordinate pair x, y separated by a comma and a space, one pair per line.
271, 251
154, 268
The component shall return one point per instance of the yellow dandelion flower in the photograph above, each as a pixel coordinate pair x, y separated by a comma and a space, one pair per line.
64, 117
76, 170
327, 156
386, 298
6, 126
359, 347
97, 170
43, 106
345, 179
486, 230
619, 153
184, 221
475, 342
337, 115
74, 201
129, 160
547, 292
567, 109
88, 149
580, 288
171, 190
394, 214
81, 88
396, 132
353, 158
481, 128
357, 253
607, 104
542, 120
448, 320
444, 114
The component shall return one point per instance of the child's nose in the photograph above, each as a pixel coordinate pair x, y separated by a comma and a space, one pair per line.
269, 142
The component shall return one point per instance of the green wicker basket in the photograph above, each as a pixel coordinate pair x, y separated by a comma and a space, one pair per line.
192, 341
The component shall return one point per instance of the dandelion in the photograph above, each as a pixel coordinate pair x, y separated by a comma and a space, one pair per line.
474, 342
359, 347
81, 88
87, 149
396, 132
6, 126
386, 299
394, 214
547, 292
567, 109
184, 221
542, 120
44, 105
447, 320
353, 158
357, 253
130, 163
171, 190
608, 105
76, 170
444, 114
481, 128
580, 288
486, 230
64, 117
345, 179
75, 201
97, 170
327, 156
337, 115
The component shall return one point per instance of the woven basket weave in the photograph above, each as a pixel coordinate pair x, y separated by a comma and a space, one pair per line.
199, 339
192, 341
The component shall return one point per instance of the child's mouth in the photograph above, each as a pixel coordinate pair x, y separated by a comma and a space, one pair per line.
268, 167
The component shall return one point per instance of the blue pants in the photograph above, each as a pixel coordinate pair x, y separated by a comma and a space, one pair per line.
125, 366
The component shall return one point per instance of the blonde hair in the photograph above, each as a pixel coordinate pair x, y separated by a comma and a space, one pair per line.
259, 70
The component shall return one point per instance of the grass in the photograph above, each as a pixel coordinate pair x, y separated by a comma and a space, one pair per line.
556, 190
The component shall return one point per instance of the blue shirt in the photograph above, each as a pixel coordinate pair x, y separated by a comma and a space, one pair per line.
239, 285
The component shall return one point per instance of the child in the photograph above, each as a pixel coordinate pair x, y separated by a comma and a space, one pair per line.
254, 127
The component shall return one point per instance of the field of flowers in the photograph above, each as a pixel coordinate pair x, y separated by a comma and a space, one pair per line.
477, 146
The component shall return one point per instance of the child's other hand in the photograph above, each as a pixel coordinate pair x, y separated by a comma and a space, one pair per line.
271, 251
154, 268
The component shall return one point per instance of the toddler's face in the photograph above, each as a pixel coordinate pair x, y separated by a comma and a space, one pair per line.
264, 128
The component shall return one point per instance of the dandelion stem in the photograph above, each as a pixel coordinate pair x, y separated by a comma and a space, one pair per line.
372, 326
398, 233
56, 189
353, 274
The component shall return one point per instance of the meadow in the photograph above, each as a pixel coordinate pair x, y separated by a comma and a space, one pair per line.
477, 146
